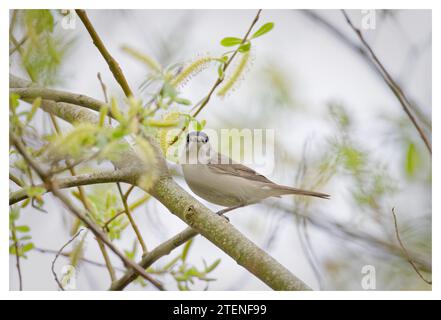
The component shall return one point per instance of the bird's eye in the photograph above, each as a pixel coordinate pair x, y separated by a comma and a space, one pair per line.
205, 139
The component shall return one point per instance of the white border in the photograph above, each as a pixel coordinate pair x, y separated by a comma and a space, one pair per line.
203, 4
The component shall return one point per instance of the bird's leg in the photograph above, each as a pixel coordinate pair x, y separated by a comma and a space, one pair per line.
223, 211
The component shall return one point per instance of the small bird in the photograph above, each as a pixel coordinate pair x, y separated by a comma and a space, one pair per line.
215, 178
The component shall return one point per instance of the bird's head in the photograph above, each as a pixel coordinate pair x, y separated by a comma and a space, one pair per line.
197, 146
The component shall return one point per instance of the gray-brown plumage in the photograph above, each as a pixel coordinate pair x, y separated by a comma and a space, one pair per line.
217, 179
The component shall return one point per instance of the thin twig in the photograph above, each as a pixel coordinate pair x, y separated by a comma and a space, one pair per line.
409, 259
113, 64
133, 206
17, 256
60, 285
396, 89
106, 258
219, 80
131, 220
67, 255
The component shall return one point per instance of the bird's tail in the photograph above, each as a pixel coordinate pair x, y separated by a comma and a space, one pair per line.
281, 190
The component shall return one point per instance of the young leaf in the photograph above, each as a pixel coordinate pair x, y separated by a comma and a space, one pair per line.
35, 105
267, 27
186, 249
212, 266
34, 191
230, 41
412, 159
245, 47
27, 247
22, 229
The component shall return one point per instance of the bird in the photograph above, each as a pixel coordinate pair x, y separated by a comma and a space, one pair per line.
217, 179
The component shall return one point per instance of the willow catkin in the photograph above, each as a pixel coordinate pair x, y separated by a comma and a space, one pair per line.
191, 70
236, 75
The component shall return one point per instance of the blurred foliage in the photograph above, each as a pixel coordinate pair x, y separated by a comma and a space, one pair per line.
46, 47
186, 274
19, 235
371, 181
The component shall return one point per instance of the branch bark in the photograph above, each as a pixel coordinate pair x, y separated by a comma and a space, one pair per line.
79, 180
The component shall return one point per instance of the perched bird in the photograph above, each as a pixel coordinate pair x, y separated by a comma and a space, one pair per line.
215, 178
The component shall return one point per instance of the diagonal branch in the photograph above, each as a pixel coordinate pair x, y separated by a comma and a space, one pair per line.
79, 180
58, 96
395, 88
162, 250
113, 64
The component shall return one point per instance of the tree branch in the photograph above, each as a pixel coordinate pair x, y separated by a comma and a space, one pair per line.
113, 64
162, 250
79, 180
58, 96
396, 89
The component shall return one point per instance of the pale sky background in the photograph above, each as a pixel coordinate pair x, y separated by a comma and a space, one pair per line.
319, 69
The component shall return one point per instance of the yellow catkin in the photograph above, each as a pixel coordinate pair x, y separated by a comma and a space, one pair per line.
149, 61
164, 144
235, 75
192, 69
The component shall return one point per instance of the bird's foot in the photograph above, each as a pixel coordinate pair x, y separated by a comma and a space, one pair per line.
221, 213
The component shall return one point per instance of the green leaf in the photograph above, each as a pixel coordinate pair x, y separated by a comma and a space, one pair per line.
186, 249
412, 159
103, 114
183, 101
212, 266
245, 47
34, 191
267, 27
230, 41
13, 101
35, 105
22, 229
27, 247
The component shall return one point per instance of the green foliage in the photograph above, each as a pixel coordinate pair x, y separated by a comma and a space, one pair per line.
234, 41
42, 54
370, 179
19, 235
413, 160
184, 273
38, 21
104, 203
230, 41
267, 27
77, 251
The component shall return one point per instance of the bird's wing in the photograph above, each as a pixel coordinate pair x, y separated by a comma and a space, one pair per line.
236, 169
